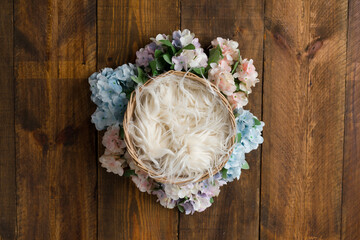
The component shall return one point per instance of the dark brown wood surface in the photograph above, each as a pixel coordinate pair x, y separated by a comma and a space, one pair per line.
351, 173
304, 183
7, 129
132, 214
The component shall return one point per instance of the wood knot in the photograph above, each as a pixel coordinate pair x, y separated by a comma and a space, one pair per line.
280, 40
313, 47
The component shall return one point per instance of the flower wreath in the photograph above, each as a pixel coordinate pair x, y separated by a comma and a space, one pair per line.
223, 66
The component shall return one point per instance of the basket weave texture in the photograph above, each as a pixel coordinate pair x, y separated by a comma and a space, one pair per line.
129, 115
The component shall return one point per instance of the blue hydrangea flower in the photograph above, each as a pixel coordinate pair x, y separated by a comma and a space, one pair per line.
250, 129
109, 88
235, 162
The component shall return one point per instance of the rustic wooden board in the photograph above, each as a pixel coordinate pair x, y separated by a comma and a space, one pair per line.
235, 213
306, 185
351, 178
7, 128
123, 28
304, 87
55, 51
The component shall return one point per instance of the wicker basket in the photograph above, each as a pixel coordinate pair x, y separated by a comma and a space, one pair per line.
129, 114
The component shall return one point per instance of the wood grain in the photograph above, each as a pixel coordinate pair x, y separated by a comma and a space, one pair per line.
7, 128
124, 27
351, 178
235, 213
55, 44
304, 92
304, 184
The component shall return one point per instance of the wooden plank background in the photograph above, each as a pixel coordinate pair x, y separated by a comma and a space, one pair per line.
304, 182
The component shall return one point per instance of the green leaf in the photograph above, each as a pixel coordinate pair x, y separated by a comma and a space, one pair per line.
153, 67
211, 200
238, 137
199, 71
129, 172
122, 133
257, 122
158, 53
245, 166
136, 79
160, 64
168, 44
189, 47
237, 84
181, 208
215, 55
167, 58
140, 78
141, 75
234, 67
236, 64
224, 173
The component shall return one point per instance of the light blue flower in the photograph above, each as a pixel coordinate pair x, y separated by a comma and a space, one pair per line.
235, 162
250, 129
109, 88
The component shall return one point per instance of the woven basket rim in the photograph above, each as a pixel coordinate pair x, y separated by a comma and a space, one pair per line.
129, 114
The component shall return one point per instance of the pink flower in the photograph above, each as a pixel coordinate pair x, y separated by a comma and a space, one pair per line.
112, 164
143, 182
247, 75
229, 49
238, 100
222, 78
112, 141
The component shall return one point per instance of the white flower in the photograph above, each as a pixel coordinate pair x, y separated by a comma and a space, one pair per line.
158, 38
164, 200
200, 203
112, 164
200, 59
186, 37
175, 191
190, 59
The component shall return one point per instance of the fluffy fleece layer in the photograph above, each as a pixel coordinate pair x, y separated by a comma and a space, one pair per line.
180, 128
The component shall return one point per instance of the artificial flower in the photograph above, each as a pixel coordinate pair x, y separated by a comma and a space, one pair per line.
237, 100
190, 59
222, 78
108, 89
112, 163
247, 75
111, 140
229, 49
184, 38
